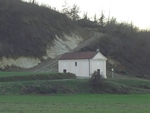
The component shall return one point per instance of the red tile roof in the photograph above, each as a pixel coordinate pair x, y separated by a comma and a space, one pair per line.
78, 55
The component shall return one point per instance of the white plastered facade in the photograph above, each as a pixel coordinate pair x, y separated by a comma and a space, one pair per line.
84, 67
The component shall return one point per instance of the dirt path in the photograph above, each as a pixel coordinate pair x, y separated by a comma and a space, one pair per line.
88, 41
51, 65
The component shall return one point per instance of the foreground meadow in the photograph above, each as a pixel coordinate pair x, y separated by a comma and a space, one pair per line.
84, 103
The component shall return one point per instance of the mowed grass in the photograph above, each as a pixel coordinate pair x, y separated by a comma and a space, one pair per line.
82, 103
22, 73
30, 76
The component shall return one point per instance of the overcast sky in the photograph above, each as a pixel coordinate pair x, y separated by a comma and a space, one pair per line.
136, 11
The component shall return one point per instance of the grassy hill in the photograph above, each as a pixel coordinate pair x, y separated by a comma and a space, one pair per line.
75, 86
26, 29
127, 46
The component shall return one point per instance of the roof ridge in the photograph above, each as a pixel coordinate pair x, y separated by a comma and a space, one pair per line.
79, 55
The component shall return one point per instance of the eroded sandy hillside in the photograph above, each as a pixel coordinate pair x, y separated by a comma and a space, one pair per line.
58, 47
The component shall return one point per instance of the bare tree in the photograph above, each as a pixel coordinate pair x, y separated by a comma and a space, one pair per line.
111, 25
32, 1
72, 13
102, 19
95, 19
85, 16
65, 7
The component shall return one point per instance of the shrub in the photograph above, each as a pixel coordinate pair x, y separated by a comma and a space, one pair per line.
97, 81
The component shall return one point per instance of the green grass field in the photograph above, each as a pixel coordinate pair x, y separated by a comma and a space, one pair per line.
74, 96
84, 103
